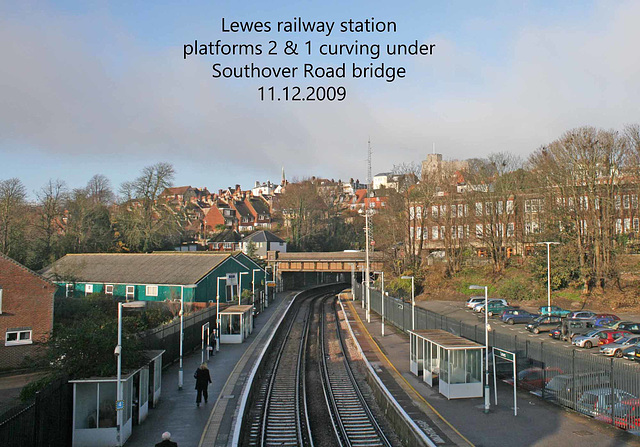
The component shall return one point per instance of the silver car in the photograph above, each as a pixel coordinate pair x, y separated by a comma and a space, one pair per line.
589, 340
599, 401
615, 349
480, 306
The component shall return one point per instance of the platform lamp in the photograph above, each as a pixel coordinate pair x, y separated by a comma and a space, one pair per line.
253, 287
486, 343
224, 278
548, 244
413, 301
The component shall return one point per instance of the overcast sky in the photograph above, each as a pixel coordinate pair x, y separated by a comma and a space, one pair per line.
102, 87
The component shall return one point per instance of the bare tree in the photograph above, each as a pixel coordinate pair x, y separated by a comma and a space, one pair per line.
99, 190
13, 196
50, 223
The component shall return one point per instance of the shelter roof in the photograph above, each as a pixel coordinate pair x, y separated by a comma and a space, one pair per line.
446, 339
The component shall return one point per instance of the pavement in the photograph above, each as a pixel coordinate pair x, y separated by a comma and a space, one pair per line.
462, 421
10, 387
177, 412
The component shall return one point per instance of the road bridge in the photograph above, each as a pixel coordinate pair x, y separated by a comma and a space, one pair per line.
301, 269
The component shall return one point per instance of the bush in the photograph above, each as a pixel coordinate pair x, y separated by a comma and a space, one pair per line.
29, 391
516, 289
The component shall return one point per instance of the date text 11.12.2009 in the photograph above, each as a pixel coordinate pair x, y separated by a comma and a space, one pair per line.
310, 93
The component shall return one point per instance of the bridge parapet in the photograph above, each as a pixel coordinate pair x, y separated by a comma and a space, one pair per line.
325, 261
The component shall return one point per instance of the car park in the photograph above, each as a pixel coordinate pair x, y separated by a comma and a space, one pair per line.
615, 349
543, 324
570, 328
553, 311
514, 316
600, 400
594, 337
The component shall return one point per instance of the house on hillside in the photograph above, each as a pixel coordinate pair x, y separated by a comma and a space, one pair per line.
26, 313
263, 241
226, 240
156, 276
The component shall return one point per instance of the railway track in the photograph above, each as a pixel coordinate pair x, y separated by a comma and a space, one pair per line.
354, 423
285, 394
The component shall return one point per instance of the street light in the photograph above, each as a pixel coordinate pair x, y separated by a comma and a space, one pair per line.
240, 287
218, 309
118, 353
253, 287
413, 302
486, 343
362, 275
180, 371
382, 298
548, 244
266, 290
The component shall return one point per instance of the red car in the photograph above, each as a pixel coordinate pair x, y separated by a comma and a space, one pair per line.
626, 415
535, 378
607, 337
609, 316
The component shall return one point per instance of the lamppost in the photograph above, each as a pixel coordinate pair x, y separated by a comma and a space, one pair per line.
118, 353
382, 298
486, 343
218, 309
413, 302
240, 286
362, 275
266, 290
548, 244
180, 371
253, 287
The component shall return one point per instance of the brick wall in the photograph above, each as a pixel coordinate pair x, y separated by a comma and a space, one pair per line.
27, 303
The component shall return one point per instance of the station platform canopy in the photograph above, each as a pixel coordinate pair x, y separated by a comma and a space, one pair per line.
451, 362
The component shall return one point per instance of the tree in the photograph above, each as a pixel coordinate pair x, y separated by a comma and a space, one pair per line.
49, 223
145, 222
12, 218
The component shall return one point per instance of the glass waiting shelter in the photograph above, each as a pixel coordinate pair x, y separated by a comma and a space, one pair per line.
236, 324
453, 363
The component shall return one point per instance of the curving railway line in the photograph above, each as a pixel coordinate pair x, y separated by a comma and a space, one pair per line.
306, 392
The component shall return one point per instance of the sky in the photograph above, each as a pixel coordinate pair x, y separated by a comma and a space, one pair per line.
103, 87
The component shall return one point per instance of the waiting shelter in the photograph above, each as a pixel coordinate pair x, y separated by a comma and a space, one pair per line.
453, 363
236, 324
94, 403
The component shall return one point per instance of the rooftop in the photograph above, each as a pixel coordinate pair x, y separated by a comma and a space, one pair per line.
180, 268
262, 236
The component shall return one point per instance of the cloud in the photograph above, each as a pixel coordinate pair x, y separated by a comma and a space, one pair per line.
83, 85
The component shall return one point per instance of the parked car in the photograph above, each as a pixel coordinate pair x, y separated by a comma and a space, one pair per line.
626, 415
600, 400
612, 336
625, 325
556, 333
479, 306
474, 300
535, 378
565, 388
581, 315
615, 349
553, 311
570, 328
496, 308
593, 338
603, 320
517, 316
631, 353
543, 323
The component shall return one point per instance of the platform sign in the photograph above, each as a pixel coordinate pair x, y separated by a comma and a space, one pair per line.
232, 279
510, 357
120, 405
271, 283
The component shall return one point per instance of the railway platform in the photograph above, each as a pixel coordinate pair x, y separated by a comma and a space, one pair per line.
462, 422
209, 424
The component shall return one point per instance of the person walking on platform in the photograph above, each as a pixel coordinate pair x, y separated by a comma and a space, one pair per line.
166, 441
203, 379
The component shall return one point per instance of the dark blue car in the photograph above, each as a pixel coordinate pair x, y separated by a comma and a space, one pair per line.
514, 316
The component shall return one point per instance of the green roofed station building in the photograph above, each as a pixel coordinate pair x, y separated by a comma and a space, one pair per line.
156, 276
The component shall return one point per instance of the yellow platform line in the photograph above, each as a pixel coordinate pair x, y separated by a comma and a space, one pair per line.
353, 311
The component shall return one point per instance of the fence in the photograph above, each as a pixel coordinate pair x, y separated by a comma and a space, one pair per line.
602, 387
46, 422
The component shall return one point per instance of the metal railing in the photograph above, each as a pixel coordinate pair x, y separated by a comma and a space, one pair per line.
605, 388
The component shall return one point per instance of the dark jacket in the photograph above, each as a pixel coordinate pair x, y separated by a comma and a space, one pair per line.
203, 379
167, 443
